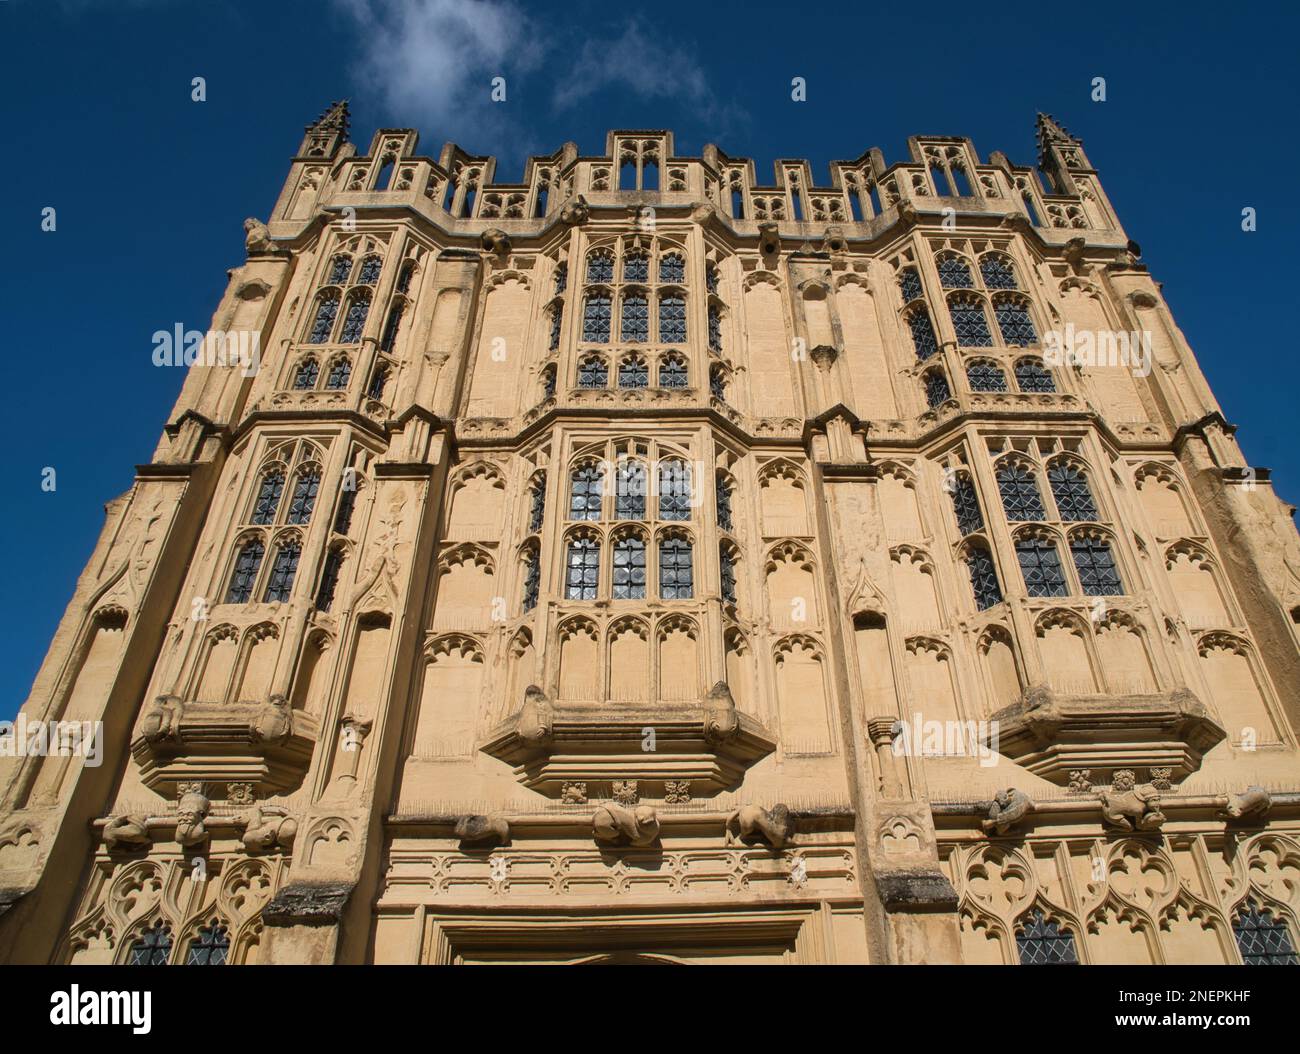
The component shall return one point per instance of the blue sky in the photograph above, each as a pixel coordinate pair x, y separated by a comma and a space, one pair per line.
151, 188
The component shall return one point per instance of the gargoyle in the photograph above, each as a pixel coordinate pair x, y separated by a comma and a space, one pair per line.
720, 718
257, 236
126, 831
477, 828
535, 715
576, 212
495, 241
1130, 807
1251, 804
1009, 807
269, 827
274, 720
834, 240
163, 718
615, 824
774, 825
769, 238
191, 811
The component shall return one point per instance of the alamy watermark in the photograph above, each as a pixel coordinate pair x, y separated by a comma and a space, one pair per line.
186, 347
1098, 347
21, 738
921, 737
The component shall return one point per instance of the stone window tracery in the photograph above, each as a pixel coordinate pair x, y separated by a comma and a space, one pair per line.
210, 947
152, 947
984, 577
1033, 376
1095, 563
1041, 942
672, 372
1262, 938
1040, 563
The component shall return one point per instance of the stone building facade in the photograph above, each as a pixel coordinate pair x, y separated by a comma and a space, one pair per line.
647, 562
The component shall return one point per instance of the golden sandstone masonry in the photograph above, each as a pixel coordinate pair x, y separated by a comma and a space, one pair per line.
642, 563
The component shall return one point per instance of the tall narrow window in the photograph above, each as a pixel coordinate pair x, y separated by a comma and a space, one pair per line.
636, 318
268, 497
1262, 939
305, 378
532, 578
672, 320
596, 318
210, 947
675, 573
969, 321
1033, 376
329, 579
983, 577
340, 270
937, 391
723, 498
715, 329
629, 567
404, 279
561, 278
557, 321
592, 372
1016, 326
923, 338
347, 502
672, 372
1019, 492
585, 492
1095, 563
727, 574
305, 489
629, 501
965, 503
355, 322
636, 267
737, 203
378, 380
327, 310
369, 273
909, 284
1070, 490
152, 947
340, 373
1041, 942
244, 574
674, 490
1040, 563
537, 506
280, 582
582, 578
391, 325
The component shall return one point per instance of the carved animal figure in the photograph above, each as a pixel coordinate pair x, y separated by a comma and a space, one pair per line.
614, 823
496, 241
126, 831
1009, 808
576, 212
535, 715
163, 718
1130, 807
1250, 804
269, 826
191, 811
834, 240
775, 825
720, 718
477, 828
274, 720
257, 237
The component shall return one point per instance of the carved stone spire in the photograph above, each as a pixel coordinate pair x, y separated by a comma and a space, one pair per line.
328, 132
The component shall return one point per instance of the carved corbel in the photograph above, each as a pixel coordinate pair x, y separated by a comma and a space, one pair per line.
616, 825
1006, 810
474, 829
1251, 804
126, 831
495, 241
769, 238
774, 826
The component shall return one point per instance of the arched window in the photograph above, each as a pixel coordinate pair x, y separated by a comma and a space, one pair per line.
557, 321
633, 373
280, 582
1041, 942
923, 338
211, 947
327, 310
340, 270
636, 318
1019, 491
306, 376
268, 497
717, 382
600, 267
532, 578
378, 380
722, 493
1033, 376
965, 503
672, 320
727, 573
629, 567
1040, 563
636, 267
596, 318
588, 481
329, 579
672, 268
582, 577
937, 391
630, 491
404, 279
715, 329
152, 947
672, 372
347, 502
369, 272
674, 490
986, 376
909, 284
244, 574
1093, 559
954, 273
391, 326
997, 272
983, 577
1070, 490
1262, 939
355, 321
969, 321
537, 503
305, 489
339, 375
675, 571
592, 372
1016, 326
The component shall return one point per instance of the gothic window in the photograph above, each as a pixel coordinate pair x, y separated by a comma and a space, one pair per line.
242, 578
377, 381
548, 382
937, 391
305, 490
1262, 939
329, 579
585, 492
672, 320
557, 320
355, 321
561, 278
596, 318
727, 573
592, 372
1041, 942
723, 499
955, 274
985, 376
600, 267
969, 321
347, 502
909, 283
923, 338
672, 372
404, 279
393, 323
629, 501
369, 272
1016, 326
717, 382
340, 373
711, 278
305, 378
636, 267
340, 270
672, 268
1040, 563
1032, 376
532, 578
280, 583
674, 490
537, 503
965, 503
152, 947
1095, 563
1070, 489
583, 575
715, 328
1019, 491
327, 309
675, 575
629, 567
268, 497
211, 947
996, 272
636, 317
983, 577
633, 373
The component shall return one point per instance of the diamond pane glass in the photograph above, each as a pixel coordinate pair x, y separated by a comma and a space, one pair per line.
672, 320
308, 372
636, 268
305, 490
955, 274
936, 389
672, 269
1016, 326
153, 946
593, 373
280, 584
210, 947
585, 494
583, 573
909, 282
672, 373
633, 373
675, 569
923, 338
969, 322
965, 504
1070, 489
1095, 563
997, 273
1019, 490
245, 571
674, 491
986, 377
1262, 939
340, 270
600, 267
322, 326
1032, 376
636, 319
723, 491
268, 497
369, 273
1041, 942
596, 319
329, 579
629, 499
355, 322
983, 578
629, 568
340, 373
1041, 565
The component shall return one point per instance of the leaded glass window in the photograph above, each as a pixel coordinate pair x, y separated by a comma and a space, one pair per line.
152, 947
1033, 376
596, 318
1262, 939
1015, 324
675, 575
909, 282
329, 579
636, 267
986, 377
672, 269
537, 506
1041, 942
394, 322
585, 493
327, 310
629, 567
674, 491
557, 320
308, 372
532, 579
672, 320
347, 502
715, 328
355, 322
965, 503
340, 270
636, 318
983, 577
955, 274
561, 278
404, 279
1070, 489
305, 489
583, 575
672, 372
211, 947
727, 573
717, 383
268, 497
1095, 562
1040, 563
970, 322
633, 373
369, 273
340, 373
280, 583
997, 273
936, 389
923, 338
592, 372
723, 492
629, 499
377, 381
1019, 490
244, 575
600, 267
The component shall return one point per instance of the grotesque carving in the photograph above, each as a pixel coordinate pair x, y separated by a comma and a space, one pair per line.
257, 237
1251, 804
478, 828
496, 241
122, 831
163, 718
191, 811
769, 238
576, 212
720, 717
1009, 807
703, 212
1130, 807
269, 827
617, 825
535, 715
274, 721
775, 825
834, 240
